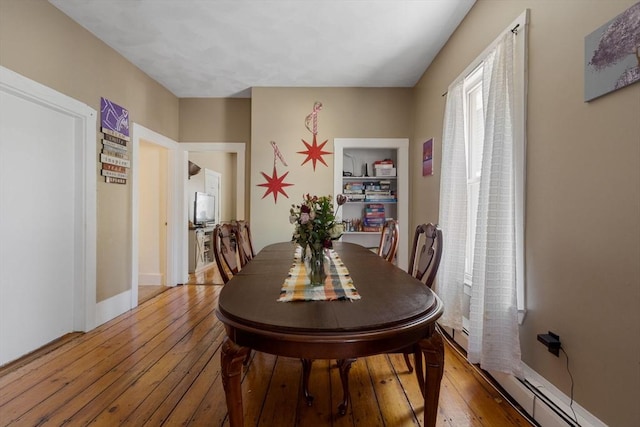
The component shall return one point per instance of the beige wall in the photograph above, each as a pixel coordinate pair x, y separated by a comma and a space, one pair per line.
583, 198
278, 114
215, 120
41, 43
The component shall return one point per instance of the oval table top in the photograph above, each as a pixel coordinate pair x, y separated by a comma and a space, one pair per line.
390, 300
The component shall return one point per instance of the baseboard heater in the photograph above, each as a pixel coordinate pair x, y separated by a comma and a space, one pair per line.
549, 403
539, 406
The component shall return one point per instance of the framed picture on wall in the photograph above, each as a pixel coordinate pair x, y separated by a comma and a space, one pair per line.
427, 157
612, 57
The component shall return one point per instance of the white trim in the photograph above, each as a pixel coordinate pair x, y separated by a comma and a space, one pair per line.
154, 279
84, 299
113, 307
176, 217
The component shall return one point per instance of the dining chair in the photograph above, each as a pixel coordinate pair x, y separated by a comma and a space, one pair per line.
426, 252
245, 243
225, 251
389, 239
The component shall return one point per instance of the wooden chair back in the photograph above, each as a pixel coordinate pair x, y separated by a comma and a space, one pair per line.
389, 240
426, 253
225, 250
245, 244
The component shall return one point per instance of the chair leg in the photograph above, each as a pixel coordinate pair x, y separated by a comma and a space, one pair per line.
344, 365
306, 372
408, 362
247, 359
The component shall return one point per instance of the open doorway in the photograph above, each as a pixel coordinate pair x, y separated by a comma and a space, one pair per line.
152, 220
156, 172
221, 174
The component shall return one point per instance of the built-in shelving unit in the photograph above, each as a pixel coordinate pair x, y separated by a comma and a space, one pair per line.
373, 197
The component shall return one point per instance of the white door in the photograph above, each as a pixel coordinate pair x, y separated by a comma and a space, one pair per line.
212, 185
44, 283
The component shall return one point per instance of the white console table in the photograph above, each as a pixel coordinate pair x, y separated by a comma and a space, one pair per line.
200, 248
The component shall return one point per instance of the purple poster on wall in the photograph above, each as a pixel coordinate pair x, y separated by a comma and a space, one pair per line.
114, 117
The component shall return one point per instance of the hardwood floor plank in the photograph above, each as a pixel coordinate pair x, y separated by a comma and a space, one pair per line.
193, 398
452, 411
158, 406
16, 382
159, 364
320, 412
179, 360
76, 385
394, 406
284, 391
481, 397
255, 385
364, 409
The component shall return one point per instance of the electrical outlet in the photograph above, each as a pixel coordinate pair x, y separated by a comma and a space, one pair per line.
551, 341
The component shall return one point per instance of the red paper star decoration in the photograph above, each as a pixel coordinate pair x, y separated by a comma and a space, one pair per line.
274, 184
314, 152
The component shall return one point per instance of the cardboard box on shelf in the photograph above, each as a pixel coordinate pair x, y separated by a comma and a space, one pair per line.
384, 171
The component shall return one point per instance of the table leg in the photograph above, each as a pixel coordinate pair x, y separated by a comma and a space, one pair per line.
231, 359
344, 365
433, 350
306, 371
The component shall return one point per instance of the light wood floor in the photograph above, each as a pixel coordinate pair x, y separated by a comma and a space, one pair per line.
160, 365
206, 276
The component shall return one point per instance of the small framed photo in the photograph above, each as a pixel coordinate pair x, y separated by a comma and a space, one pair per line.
427, 157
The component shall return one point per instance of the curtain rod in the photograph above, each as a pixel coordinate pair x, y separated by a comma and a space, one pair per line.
514, 30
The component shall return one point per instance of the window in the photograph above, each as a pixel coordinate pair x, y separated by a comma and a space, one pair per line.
474, 142
482, 201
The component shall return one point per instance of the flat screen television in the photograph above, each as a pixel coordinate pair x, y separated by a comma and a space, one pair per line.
204, 209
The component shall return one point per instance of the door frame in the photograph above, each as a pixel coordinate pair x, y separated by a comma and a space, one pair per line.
218, 191
237, 148
84, 287
175, 215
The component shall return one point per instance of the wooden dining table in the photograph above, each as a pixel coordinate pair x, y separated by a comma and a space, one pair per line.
395, 311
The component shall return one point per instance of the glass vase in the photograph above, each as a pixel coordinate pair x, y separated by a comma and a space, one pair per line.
316, 264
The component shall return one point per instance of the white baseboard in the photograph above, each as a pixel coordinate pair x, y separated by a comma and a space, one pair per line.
540, 399
113, 307
153, 279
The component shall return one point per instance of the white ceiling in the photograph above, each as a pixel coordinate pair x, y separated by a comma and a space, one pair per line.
222, 48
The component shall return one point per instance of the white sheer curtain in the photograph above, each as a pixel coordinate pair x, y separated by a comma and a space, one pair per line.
453, 209
493, 337
493, 329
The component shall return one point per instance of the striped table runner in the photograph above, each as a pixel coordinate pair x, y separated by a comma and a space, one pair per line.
337, 286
